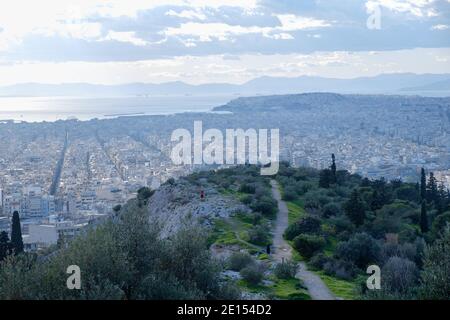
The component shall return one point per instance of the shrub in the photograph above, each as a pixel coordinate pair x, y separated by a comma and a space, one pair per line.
259, 235
247, 188
286, 270
253, 274
435, 282
306, 224
307, 245
361, 250
331, 209
247, 199
302, 187
267, 206
289, 194
440, 223
339, 268
239, 260
318, 261
399, 275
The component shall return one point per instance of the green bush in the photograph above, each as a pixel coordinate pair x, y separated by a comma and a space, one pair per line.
253, 274
361, 250
266, 205
247, 188
308, 224
289, 194
331, 209
239, 260
440, 223
285, 270
308, 245
259, 235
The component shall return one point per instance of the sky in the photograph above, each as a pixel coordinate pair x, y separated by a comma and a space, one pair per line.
232, 41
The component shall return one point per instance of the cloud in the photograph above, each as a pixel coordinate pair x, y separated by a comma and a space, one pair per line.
440, 27
192, 32
417, 8
135, 30
187, 14
127, 37
290, 22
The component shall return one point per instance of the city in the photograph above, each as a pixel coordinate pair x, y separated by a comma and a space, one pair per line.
66, 175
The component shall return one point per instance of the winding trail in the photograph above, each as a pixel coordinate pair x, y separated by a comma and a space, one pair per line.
283, 251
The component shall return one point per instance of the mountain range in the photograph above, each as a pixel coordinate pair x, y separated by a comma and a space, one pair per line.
395, 83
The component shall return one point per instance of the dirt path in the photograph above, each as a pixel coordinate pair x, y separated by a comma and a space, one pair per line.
282, 250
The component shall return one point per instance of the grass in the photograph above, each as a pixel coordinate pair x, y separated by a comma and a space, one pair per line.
222, 233
289, 289
341, 288
295, 211
281, 289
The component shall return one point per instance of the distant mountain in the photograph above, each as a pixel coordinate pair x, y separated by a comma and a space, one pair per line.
435, 86
387, 84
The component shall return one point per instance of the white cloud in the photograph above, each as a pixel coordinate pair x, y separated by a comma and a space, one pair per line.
206, 32
416, 8
188, 14
290, 22
128, 37
440, 27
20, 18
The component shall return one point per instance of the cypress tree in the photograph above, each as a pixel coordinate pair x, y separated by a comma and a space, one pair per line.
333, 169
423, 185
424, 218
16, 234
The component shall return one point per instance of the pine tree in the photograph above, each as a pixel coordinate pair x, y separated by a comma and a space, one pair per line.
333, 169
16, 234
354, 209
423, 185
424, 218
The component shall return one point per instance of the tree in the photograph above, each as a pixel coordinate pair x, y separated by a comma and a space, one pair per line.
361, 250
424, 218
16, 234
307, 224
308, 245
325, 178
423, 184
333, 169
432, 189
354, 208
5, 245
435, 277
377, 201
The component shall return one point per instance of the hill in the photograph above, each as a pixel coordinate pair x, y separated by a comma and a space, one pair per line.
310, 101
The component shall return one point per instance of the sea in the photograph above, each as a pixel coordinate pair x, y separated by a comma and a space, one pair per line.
39, 109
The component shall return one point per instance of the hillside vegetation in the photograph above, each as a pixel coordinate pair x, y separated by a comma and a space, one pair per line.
342, 223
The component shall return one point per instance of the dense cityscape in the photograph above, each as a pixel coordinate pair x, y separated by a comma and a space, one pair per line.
65, 175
